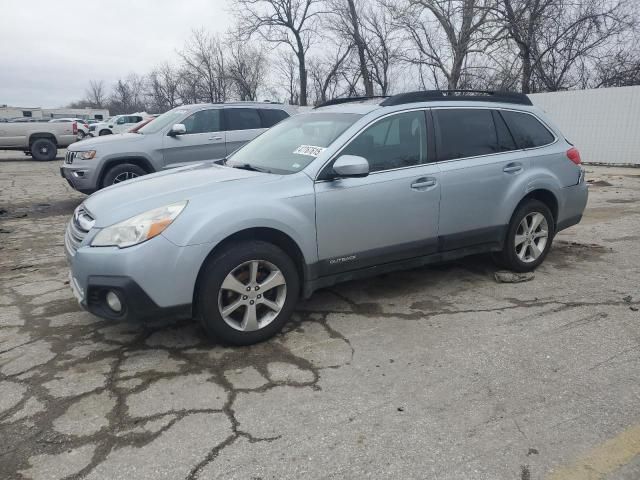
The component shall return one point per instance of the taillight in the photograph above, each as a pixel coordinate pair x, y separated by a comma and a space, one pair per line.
75, 128
574, 155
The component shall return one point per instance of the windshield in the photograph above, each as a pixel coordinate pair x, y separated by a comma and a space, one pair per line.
168, 118
293, 144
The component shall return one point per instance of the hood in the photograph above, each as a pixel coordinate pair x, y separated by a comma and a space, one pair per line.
119, 202
95, 142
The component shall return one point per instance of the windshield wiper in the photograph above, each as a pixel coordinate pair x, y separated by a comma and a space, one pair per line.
248, 166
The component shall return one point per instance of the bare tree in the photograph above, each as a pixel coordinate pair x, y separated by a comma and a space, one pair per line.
383, 45
96, 94
288, 77
326, 71
162, 89
287, 22
246, 69
121, 99
444, 33
203, 57
555, 35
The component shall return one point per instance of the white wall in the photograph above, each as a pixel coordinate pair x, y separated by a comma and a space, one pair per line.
603, 123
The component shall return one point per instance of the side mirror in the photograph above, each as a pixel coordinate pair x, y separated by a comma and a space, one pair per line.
351, 166
177, 129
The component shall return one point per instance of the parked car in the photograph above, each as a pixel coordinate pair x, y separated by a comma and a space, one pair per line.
117, 124
38, 139
183, 135
348, 190
83, 126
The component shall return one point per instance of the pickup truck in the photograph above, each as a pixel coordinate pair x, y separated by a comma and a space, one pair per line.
40, 140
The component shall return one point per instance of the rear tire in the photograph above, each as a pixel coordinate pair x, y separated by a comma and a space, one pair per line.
528, 238
263, 301
43, 149
81, 135
121, 173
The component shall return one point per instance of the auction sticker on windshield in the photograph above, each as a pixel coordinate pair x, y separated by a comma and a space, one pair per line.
309, 150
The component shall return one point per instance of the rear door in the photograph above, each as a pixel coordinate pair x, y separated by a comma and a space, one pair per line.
242, 125
204, 140
479, 166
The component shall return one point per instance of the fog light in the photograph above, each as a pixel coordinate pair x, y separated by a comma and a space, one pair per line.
113, 300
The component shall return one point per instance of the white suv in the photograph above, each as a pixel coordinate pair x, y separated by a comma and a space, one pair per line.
117, 124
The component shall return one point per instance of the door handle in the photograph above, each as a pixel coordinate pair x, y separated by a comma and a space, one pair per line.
215, 138
512, 168
423, 183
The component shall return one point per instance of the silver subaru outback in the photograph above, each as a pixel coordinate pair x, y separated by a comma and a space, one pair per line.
355, 187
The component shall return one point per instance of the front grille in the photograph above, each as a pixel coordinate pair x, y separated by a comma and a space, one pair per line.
77, 229
70, 156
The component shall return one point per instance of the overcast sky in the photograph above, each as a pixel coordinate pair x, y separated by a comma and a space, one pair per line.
50, 49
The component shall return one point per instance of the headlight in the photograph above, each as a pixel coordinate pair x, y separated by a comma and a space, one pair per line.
88, 155
140, 228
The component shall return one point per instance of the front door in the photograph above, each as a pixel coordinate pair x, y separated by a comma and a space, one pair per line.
204, 140
392, 214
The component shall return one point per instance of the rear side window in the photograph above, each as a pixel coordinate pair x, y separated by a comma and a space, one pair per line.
527, 130
242, 118
464, 133
272, 116
505, 140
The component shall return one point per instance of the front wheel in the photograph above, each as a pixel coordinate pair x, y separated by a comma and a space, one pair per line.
529, 237
247, 292
121, 173
104, 132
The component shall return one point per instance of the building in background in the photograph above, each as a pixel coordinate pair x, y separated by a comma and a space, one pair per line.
603, 123
49, 113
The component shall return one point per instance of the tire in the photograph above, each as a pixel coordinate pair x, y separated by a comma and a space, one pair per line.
122, 172
237, 261
525, 248
43, 149
105, 132
81, 135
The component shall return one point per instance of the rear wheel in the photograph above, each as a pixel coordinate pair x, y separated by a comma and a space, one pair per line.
529, 237
43, 149
122, 172
81, 135
247, 293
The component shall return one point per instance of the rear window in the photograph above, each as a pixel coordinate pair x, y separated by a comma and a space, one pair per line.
527, 130
464, 133
242, 118
271, 116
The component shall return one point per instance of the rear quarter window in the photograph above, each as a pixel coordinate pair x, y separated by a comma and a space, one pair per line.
527, 130
242, 118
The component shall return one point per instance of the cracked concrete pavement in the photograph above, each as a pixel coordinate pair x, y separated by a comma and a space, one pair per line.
438, 372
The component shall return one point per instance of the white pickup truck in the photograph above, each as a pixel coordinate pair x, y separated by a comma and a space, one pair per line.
41, 140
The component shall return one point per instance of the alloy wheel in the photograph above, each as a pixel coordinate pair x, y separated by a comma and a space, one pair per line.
252, 295
124, 176
531, 237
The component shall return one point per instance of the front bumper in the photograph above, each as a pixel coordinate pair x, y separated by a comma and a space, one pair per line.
80, 177
153, 279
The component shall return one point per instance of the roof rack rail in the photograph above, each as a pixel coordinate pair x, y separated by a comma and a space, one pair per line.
457, 95
338, 101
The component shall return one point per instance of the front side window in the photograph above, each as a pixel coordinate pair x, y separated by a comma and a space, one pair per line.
527, 131
396, 141
242, 118
294, 143
204, 121
464, 133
